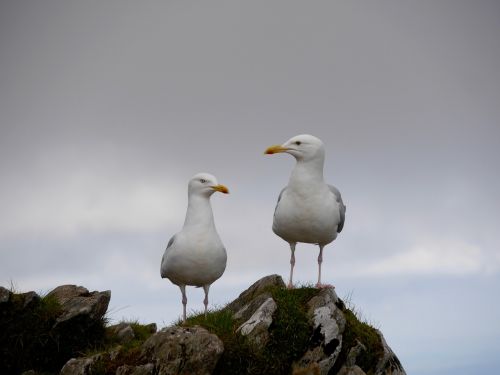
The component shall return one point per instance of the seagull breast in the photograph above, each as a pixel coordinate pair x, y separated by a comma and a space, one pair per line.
310, 217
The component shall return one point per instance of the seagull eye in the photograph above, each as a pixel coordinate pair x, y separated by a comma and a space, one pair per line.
298, 143
203, 180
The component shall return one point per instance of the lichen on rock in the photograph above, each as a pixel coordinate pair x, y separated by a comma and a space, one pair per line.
183, 350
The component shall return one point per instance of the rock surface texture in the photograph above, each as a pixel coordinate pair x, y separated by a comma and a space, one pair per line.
327, 350
43, 333
77, 301
179, 350
328, 325
268, 329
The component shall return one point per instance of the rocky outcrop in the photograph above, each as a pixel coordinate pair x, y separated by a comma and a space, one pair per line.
183, 350
123, 332
82, 366
330, 322
388, 363
328, 325
268, 329
77, 301
256, 328
249, 300
43, 333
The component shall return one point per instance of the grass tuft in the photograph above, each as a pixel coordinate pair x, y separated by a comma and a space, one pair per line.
217, 321
288, 339
358, 329
290, 331
238, 353
126, 354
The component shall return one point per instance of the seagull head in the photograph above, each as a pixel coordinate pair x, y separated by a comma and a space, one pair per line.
205, 184
303, 147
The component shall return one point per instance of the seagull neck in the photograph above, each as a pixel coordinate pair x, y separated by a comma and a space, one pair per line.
307, 170
199, 212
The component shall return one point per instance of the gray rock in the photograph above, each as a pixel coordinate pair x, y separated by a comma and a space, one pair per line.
123, 332
30, 299
147, 369
65, 293
353, 354
256, 328
324, 297
328, 323
249, 309
4, 295
82, 366
389, 364
77, 301
180, 350
350, 367
125, 335
77, 366
241, 305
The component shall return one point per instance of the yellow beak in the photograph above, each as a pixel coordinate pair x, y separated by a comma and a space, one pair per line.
221, 188
275, 149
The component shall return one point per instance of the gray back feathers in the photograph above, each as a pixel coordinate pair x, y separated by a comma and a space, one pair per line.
342, 207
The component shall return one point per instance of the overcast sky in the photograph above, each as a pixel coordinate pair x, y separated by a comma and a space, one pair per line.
108, 108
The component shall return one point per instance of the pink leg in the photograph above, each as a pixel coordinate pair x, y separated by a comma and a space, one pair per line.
184, 302
205, 301
320, 260
292, 264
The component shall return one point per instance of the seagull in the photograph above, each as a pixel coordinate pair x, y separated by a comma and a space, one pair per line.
195, 255
308, 210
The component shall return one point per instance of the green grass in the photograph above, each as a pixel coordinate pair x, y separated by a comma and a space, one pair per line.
29, 340
358, 329
288, 339
238, 352
128, 353
290, 331
141, 334
368, 336
217, 321
290, 335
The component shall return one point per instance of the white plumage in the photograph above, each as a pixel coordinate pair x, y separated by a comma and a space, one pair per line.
308, 210
195, 255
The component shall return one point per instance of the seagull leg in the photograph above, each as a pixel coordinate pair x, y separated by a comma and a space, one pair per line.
205, 301
292, 264
184, 302
320, 260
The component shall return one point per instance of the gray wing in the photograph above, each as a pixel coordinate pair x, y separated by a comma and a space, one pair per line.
336, 192
279, 198
170, 243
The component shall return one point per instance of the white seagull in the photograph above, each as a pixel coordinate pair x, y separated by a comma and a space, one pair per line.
308, 210
195, 255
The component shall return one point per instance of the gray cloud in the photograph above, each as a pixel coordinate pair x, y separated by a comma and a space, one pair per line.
107, 109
